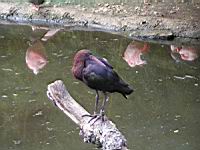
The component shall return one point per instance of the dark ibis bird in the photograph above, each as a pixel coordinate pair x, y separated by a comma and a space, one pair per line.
37, 3
99, 75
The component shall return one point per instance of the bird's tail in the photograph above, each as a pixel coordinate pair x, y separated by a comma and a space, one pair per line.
124, 88
126, 91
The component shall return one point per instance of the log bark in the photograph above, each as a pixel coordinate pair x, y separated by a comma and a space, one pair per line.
102, 133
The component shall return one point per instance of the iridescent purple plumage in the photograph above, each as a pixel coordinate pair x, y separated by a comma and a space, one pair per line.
99, 75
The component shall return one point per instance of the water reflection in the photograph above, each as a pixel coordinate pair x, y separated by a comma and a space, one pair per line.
163, 112
36, 58
50, 33
35, 28
133, 53
186, 53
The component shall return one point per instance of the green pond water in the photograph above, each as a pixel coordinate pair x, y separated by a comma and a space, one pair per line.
163, 112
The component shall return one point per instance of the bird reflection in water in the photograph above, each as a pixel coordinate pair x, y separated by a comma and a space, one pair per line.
133, 53
36, 58
49, 32
185, 53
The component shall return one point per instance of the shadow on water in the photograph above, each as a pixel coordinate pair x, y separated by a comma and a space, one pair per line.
163, 112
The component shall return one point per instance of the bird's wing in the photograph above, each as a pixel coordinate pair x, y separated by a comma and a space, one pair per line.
100, 77
95, 72
97, 75
103, 60
99, 68
100, 61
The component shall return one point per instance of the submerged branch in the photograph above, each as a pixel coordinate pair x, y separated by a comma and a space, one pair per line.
105, 134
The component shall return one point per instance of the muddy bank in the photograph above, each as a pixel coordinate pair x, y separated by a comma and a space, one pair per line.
149, 21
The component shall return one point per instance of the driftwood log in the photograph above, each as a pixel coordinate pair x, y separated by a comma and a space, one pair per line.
103, 133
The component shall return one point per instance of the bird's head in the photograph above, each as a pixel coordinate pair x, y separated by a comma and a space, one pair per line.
78, 63
82, 55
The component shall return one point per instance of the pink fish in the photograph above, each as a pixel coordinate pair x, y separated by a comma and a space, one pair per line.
133, 53
35, 57
186, 53
175, 49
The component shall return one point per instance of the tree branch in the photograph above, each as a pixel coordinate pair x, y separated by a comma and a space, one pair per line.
103, 133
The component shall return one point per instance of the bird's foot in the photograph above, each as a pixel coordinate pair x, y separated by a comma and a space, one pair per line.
95, 117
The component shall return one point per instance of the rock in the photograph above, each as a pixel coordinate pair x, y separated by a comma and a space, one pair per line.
106, 5
84, 9
105, 10
125, 11
172, 12
137, 8
155, 13
143, 22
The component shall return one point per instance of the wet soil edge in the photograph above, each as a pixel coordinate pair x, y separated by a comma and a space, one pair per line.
142, 27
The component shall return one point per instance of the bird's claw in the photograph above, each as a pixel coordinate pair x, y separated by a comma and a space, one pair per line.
95, 117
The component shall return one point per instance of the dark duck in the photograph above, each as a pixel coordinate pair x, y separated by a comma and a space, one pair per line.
36, 4
99, 75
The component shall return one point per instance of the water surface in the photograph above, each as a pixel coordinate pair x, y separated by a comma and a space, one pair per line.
163, 113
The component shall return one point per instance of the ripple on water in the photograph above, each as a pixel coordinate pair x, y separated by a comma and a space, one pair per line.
185, 77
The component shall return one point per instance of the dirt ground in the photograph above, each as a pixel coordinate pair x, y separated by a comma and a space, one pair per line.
148, 21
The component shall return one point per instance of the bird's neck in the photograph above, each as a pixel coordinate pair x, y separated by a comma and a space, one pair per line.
77, 69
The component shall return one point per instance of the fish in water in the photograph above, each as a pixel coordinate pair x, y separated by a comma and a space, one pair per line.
35, 57
99, 75
36, 4
133, 53
186, 53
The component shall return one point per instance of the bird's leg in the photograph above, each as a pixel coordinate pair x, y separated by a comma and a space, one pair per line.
96, 102
101, 114
102, 110
95, 108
